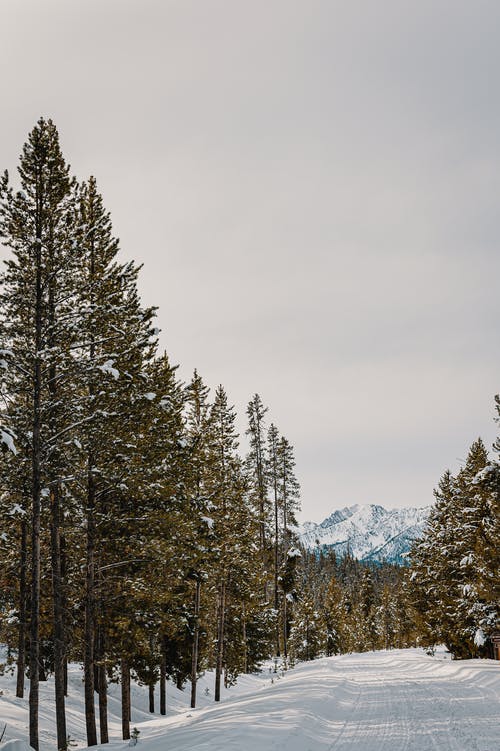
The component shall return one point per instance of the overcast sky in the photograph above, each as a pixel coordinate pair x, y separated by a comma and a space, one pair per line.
314, 191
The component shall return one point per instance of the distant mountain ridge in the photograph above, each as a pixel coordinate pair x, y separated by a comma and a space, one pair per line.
369, 532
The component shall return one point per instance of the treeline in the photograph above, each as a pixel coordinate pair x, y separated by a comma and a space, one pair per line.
135, 538
456, 565
350, 606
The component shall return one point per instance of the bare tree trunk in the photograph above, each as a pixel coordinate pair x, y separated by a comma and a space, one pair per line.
90, 612
125, 671
151, 686
21, 646
196, 636
58, 615
220, 638
163, 679
102, 684
245, 646
65, 609
285, 634
96, 658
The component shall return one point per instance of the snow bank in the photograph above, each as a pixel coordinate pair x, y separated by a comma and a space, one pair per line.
375, 701
15, 745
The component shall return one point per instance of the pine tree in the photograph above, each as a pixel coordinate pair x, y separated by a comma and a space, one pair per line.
387, 617
272, 472
200, 534
289, 495
256, 469
285, 492
367, 604
308, 636
37, 225
432, 564
455, 564
223, 445
335, 618
477, 549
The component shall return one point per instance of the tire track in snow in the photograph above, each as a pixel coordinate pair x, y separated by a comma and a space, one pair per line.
459, 718
354, 709
422, 736
442, 711
371, 724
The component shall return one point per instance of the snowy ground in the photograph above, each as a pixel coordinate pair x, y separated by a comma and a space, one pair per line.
400, 700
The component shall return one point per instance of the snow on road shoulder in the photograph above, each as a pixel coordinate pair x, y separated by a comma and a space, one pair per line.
400, 700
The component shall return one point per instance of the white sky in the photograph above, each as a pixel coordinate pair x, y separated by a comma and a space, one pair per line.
313, 188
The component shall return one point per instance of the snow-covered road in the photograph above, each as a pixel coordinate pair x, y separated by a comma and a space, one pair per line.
384, 701
400, 700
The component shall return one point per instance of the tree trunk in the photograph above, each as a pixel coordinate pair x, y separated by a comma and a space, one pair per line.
21, 646
220, 639
58, 615
245, 646
151, 686
285, 634
102, 684
90, 612
196, 636
125, 671
65, 610
163, 679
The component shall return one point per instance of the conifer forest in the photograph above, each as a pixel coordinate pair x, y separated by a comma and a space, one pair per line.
138, 538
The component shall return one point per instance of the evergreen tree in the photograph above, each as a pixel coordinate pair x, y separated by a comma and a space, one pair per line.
455, 564
308, 637
221, 489
199, 540
114, 347
256, 469
367, 605
37, 225
272, 472
289, 495
335, 619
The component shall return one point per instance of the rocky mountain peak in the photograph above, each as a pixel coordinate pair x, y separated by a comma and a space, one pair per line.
369, 531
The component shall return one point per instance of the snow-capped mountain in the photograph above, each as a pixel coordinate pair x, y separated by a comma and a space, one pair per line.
370, 532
